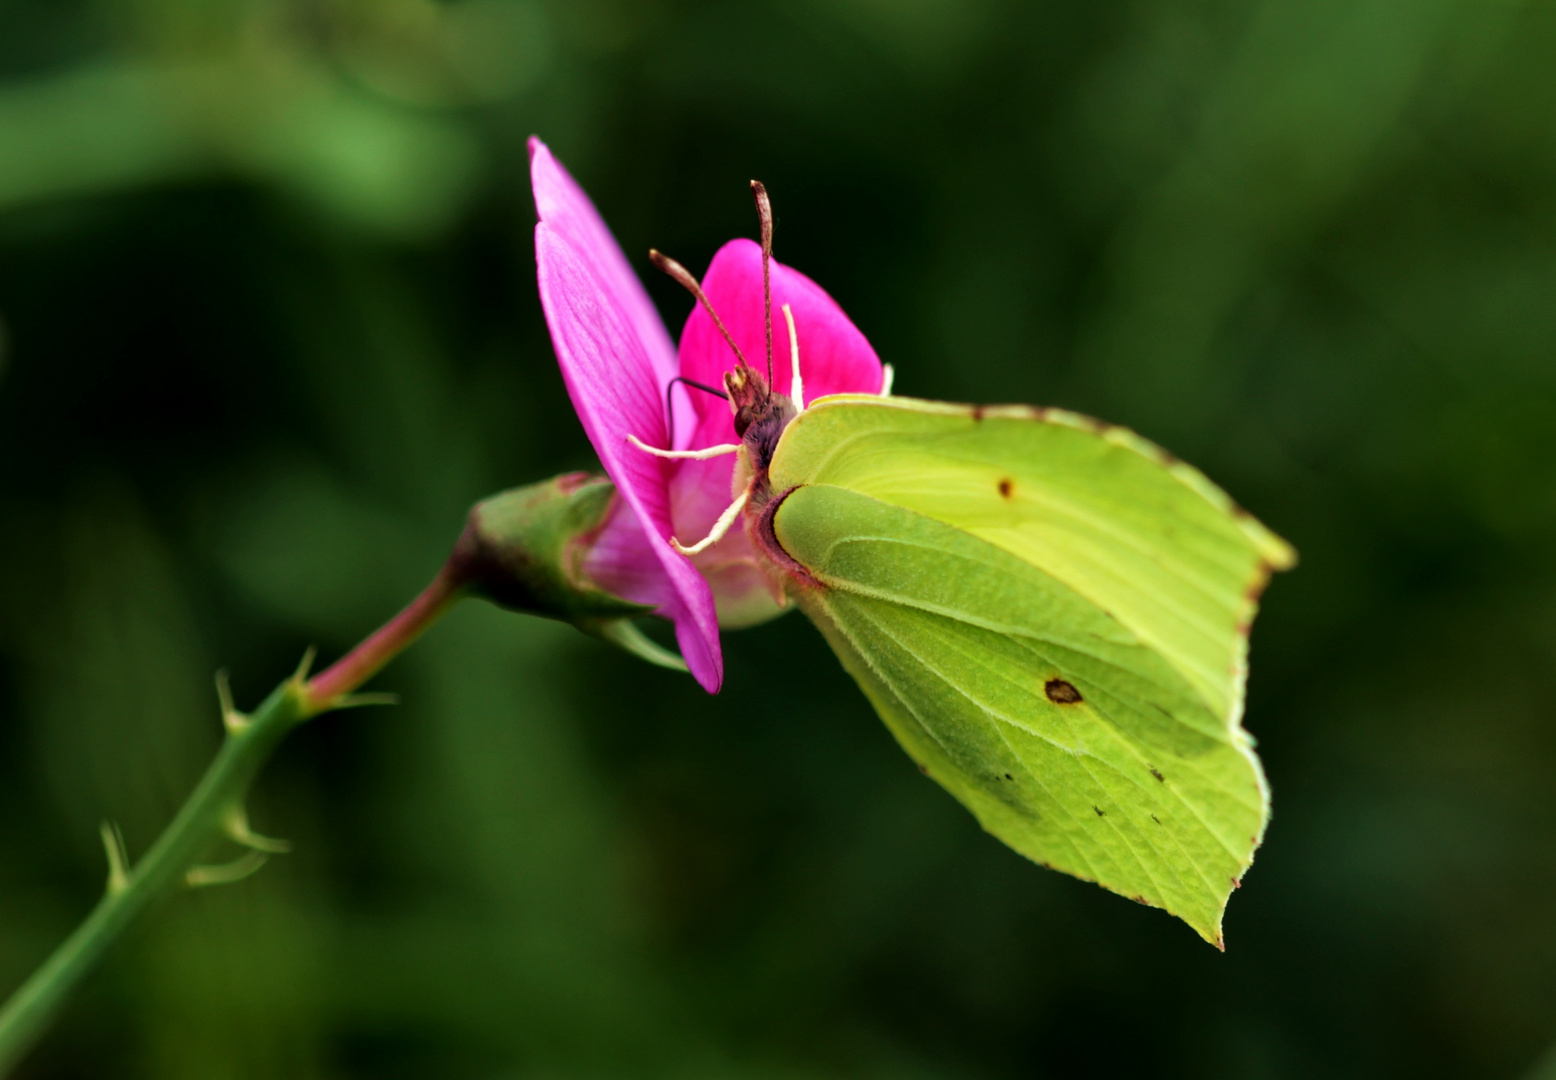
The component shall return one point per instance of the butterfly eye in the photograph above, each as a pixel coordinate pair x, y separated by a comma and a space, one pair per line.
743, 418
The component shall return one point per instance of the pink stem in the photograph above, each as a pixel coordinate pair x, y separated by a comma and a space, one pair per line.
367, 659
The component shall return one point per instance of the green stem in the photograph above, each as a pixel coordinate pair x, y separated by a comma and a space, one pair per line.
329, 688
519, 549
199, 824
214, 811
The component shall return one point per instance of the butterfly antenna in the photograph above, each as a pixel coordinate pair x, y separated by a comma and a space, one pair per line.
764, 210
684, 278
670, 404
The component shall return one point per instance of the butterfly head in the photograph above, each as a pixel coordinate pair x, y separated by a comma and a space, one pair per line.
761, 414
749, 397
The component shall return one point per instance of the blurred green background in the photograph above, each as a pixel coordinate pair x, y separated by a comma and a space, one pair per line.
270, 326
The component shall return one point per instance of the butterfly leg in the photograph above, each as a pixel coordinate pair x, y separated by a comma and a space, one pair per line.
886, 377
683, 455
720, 527
796, 385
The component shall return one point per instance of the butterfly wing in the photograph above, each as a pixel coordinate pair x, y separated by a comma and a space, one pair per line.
1051, 616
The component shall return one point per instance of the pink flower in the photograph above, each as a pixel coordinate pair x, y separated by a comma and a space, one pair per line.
617, 362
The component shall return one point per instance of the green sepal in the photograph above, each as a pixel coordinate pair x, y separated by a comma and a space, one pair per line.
524, 550
625, 635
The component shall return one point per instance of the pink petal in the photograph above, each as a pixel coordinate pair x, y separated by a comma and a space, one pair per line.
835, 358
622, 560
612, 350
565, 209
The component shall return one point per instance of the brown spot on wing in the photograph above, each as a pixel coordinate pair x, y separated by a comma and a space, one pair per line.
1007, 487
1160, 778
1062, 693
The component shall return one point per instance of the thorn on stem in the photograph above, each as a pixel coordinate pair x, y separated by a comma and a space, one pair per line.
227, 873
305, 665
232, 720
118, 857
235, 823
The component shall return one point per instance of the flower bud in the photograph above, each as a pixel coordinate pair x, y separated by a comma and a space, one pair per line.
526, 549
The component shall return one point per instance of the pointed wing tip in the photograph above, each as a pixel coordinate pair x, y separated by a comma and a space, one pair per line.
1275, 552
1281, 555
1212, 930
1209, 931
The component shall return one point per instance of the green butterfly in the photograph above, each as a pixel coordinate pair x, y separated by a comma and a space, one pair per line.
1051, 615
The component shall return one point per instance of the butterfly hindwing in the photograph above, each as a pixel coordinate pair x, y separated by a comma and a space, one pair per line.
1051, 617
